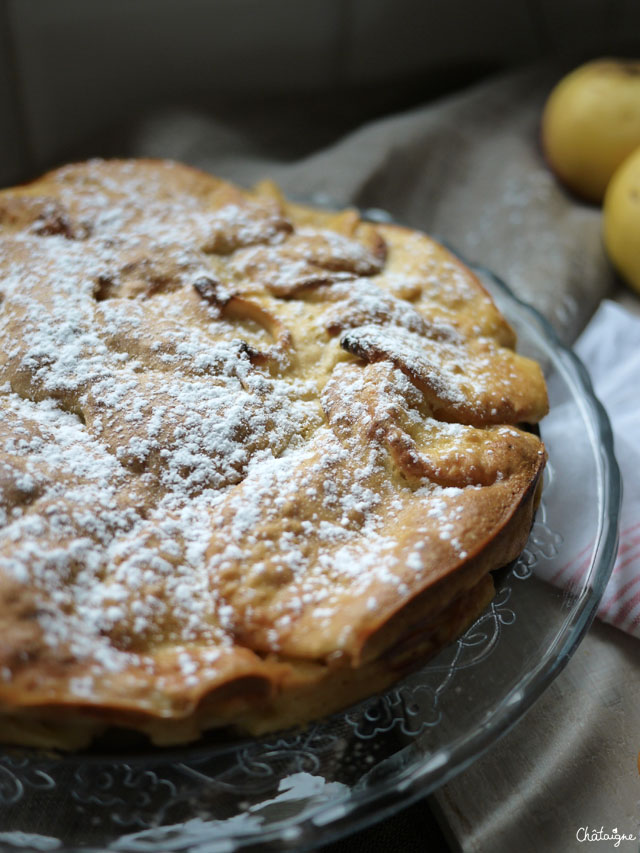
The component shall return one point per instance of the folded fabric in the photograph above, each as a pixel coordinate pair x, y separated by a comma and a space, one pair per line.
610, 347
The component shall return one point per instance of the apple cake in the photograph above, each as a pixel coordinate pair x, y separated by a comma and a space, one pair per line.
257, 459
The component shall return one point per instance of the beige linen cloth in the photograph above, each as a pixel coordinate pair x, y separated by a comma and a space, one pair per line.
469, 168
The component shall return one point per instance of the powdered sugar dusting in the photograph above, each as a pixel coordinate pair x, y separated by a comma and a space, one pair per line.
191, 465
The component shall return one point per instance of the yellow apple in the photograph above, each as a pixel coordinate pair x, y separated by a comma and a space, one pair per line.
621, 219
591, 122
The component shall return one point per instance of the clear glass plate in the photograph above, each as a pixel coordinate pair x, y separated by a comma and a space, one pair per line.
309, 787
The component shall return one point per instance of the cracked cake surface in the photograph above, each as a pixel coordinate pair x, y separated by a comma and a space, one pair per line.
256, 459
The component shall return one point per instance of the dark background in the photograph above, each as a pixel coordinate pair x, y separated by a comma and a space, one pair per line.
74, 74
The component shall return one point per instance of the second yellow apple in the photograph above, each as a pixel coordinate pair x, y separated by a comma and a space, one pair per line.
621, 220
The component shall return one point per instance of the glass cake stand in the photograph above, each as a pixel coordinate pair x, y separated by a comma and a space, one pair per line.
304, 788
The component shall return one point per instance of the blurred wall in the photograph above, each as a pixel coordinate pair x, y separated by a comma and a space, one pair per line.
72, 68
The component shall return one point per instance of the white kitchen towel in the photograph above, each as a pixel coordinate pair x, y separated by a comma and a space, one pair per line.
610, 348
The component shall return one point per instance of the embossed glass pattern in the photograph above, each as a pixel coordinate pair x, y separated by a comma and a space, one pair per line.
307, 787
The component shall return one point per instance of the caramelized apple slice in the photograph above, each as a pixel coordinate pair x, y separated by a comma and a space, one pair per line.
376, 405
306, 259
475, 382
236, 307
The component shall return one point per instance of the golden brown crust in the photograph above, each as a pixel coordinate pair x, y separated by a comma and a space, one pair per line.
257, 459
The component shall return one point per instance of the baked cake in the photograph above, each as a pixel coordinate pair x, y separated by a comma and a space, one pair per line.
258, 459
